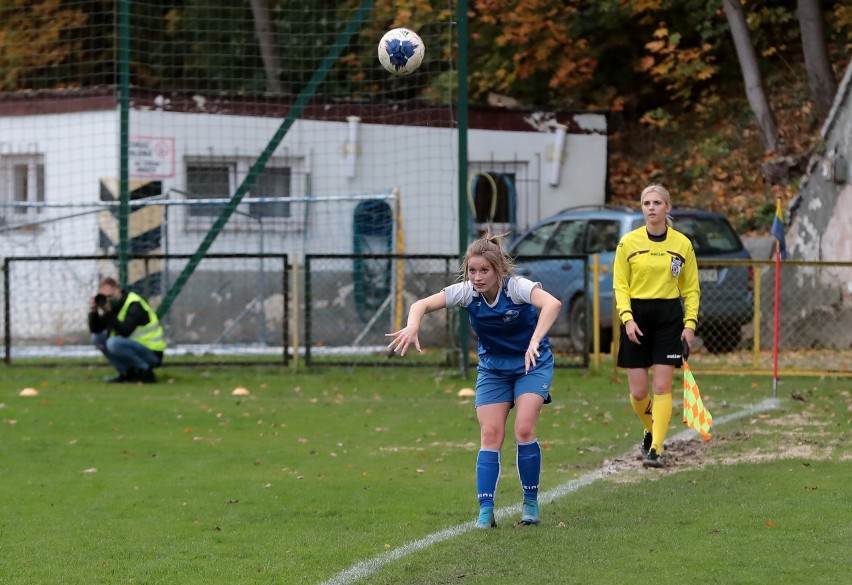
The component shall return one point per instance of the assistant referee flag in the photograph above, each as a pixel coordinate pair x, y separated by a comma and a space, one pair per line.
695, 415
778, 231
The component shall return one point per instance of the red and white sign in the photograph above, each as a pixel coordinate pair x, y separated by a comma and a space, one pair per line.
152, 157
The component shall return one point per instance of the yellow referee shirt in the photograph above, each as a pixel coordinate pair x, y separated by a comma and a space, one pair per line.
647, 267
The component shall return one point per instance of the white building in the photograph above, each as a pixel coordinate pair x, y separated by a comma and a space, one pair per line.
59, 159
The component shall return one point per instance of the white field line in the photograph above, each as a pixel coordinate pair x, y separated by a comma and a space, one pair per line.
365, 568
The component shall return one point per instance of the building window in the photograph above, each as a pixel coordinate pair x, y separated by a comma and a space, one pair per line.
22, 184
208, 182
273, 183
494, 197
494, 202
220, 180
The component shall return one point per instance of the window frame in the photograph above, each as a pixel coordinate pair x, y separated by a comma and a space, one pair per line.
245, 216
34, 183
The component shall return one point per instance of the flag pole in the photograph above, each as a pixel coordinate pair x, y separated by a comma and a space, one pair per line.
780, 253
776, 320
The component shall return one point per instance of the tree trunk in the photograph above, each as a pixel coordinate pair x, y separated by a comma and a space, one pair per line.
820, 75
751, 76
268, 49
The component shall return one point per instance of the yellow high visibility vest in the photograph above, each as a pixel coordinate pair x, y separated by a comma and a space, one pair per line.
151, 335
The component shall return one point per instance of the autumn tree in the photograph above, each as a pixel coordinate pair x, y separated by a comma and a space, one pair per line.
268, 46
39, 46
525, 48
820, 75
752, 77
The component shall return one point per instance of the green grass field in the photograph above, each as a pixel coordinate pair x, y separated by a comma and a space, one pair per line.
367, 475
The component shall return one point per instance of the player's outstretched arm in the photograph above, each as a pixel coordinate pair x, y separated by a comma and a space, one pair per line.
548, 310
409, 334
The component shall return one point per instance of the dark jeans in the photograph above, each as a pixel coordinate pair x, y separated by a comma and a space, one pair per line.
125, 354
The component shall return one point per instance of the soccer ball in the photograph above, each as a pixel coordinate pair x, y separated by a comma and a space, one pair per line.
401, 51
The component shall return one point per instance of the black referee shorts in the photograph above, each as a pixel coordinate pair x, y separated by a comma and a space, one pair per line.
661, 322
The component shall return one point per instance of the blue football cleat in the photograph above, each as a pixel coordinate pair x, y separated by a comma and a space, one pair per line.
486, 519
530, 513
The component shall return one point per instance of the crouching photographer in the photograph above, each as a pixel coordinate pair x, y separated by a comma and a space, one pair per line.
128, 333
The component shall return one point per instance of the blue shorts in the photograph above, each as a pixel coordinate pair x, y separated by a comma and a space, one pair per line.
502, 378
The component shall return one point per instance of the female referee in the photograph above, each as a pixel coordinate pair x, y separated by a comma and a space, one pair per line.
511, 316
654, 268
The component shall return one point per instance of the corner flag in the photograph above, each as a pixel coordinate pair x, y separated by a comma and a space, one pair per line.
695, 416
778, 231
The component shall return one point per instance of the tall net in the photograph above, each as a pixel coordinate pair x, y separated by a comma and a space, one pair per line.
237, 299
261, 128
141, 131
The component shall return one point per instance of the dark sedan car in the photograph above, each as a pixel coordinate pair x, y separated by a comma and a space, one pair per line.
726, 291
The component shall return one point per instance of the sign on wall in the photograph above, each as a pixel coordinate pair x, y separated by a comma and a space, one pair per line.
152, 157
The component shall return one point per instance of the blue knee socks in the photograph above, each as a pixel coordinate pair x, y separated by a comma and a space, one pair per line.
487, 476
529, 468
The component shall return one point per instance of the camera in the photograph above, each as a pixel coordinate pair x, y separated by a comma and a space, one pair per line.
100, 300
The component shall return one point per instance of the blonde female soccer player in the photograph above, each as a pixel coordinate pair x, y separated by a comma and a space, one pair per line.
654, 269
511, 316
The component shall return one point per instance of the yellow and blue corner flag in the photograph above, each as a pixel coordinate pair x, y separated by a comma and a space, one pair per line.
778, 231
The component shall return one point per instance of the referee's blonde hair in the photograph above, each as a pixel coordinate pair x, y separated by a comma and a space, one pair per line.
659, 189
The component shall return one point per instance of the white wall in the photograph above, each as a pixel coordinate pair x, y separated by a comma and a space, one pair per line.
76, 149
81, 148
421, 161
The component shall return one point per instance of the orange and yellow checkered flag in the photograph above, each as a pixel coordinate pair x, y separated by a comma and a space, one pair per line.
695, 416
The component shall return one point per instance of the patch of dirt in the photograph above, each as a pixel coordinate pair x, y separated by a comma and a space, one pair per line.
795, 436
678, 455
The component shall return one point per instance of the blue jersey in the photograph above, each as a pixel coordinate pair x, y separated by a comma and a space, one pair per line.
506, 327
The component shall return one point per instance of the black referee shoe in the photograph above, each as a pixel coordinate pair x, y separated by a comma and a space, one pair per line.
652, 459
647, 439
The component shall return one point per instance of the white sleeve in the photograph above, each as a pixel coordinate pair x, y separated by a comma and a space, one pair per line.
460, 293
520, 289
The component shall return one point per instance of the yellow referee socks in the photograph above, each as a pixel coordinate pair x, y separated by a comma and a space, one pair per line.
662, 413
643, 410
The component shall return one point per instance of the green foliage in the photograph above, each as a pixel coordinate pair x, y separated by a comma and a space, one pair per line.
41, 49
763, 216
638, 55
526, 48
210, 45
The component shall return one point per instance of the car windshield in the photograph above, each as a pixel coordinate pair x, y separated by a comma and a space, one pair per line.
602, 236
533, 244
568, 239
709, 235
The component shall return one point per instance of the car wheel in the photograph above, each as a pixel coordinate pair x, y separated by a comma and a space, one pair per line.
577, 329
577, 324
